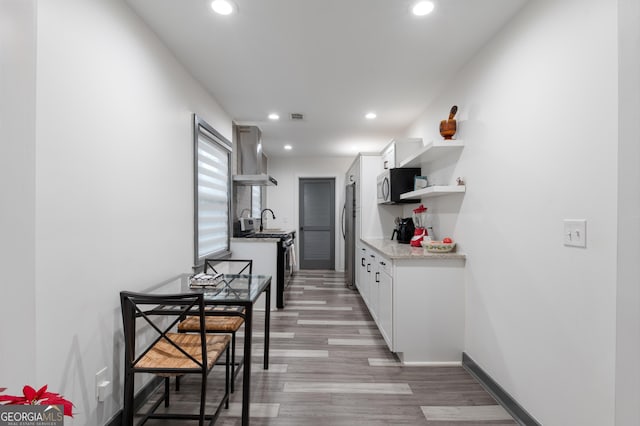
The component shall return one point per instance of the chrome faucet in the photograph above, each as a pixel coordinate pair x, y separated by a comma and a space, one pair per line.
262, 213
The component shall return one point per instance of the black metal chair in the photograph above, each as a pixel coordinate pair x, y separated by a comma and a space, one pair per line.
169, 354
217, 321
228, 266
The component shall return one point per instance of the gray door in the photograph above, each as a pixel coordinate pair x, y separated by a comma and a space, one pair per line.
317, 223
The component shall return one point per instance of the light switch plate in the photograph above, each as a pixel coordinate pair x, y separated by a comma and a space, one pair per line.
575, 233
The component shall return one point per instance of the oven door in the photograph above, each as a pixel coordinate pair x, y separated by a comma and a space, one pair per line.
285, 270
288, 247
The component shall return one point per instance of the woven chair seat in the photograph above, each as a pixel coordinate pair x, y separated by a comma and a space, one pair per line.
164, 355
225, 308
212, 323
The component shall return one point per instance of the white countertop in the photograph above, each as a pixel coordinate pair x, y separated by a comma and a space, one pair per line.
394, 250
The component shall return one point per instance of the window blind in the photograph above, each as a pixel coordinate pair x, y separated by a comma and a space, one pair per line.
212, 196
256, 201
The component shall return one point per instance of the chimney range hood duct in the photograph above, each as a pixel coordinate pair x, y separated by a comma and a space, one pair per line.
252, 164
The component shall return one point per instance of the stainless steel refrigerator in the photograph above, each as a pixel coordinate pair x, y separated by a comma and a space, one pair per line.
349, 234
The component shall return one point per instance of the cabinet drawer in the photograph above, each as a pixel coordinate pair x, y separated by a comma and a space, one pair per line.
385, 265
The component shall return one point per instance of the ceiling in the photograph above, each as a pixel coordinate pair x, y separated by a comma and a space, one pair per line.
331, 60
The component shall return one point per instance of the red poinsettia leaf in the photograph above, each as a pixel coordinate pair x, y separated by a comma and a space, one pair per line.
29, 393
40, 392
3, 389
11, 399
68, 408
47, 395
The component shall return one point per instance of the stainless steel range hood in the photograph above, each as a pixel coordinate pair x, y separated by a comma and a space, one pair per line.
252, 164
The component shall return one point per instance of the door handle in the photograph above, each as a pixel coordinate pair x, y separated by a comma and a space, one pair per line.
362, 261
377, 277
343, 222
385, 189
368, 270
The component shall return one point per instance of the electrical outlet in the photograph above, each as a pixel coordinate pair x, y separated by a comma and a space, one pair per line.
102, 384
575, 233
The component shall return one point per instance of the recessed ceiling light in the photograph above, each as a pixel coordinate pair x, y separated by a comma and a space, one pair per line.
288, 147
370, 115
222, 7
274, 116
422, 8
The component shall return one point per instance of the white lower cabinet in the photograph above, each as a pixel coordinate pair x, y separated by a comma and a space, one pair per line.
417, 303
385, 301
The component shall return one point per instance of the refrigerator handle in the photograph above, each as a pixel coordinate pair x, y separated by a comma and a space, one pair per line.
342, 221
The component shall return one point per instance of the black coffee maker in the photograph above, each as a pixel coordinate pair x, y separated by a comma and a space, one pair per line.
404, 230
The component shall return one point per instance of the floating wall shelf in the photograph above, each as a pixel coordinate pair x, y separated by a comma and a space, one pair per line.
433, 191
431, 152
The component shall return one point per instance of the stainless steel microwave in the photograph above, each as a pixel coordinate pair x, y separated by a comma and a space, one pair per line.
393, 182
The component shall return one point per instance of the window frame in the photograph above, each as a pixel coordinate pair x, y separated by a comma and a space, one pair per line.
202, 128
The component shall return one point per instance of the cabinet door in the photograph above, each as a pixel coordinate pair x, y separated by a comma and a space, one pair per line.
365, 276
389, 158
373, 287
360, 267
385, 304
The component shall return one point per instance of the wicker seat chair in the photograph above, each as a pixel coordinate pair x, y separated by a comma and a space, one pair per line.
223, 319
169, 354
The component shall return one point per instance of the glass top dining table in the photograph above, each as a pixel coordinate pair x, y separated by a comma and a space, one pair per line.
235, 290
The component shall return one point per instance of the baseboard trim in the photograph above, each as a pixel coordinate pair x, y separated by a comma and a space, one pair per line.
140, 398
511, 405
431, 364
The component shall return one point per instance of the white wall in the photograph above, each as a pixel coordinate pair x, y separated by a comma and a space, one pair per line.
17, 189
538, 112
283, 199
113, 186
628, 308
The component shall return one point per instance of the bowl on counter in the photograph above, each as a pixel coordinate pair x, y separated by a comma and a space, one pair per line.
438, 246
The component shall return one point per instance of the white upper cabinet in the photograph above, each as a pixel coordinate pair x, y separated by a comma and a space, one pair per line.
398, 150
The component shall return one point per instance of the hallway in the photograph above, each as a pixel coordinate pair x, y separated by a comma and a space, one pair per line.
330, 366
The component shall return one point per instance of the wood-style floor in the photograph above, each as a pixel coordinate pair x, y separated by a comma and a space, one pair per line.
330, 366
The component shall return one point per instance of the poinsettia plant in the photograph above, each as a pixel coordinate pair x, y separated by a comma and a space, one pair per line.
39, 397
